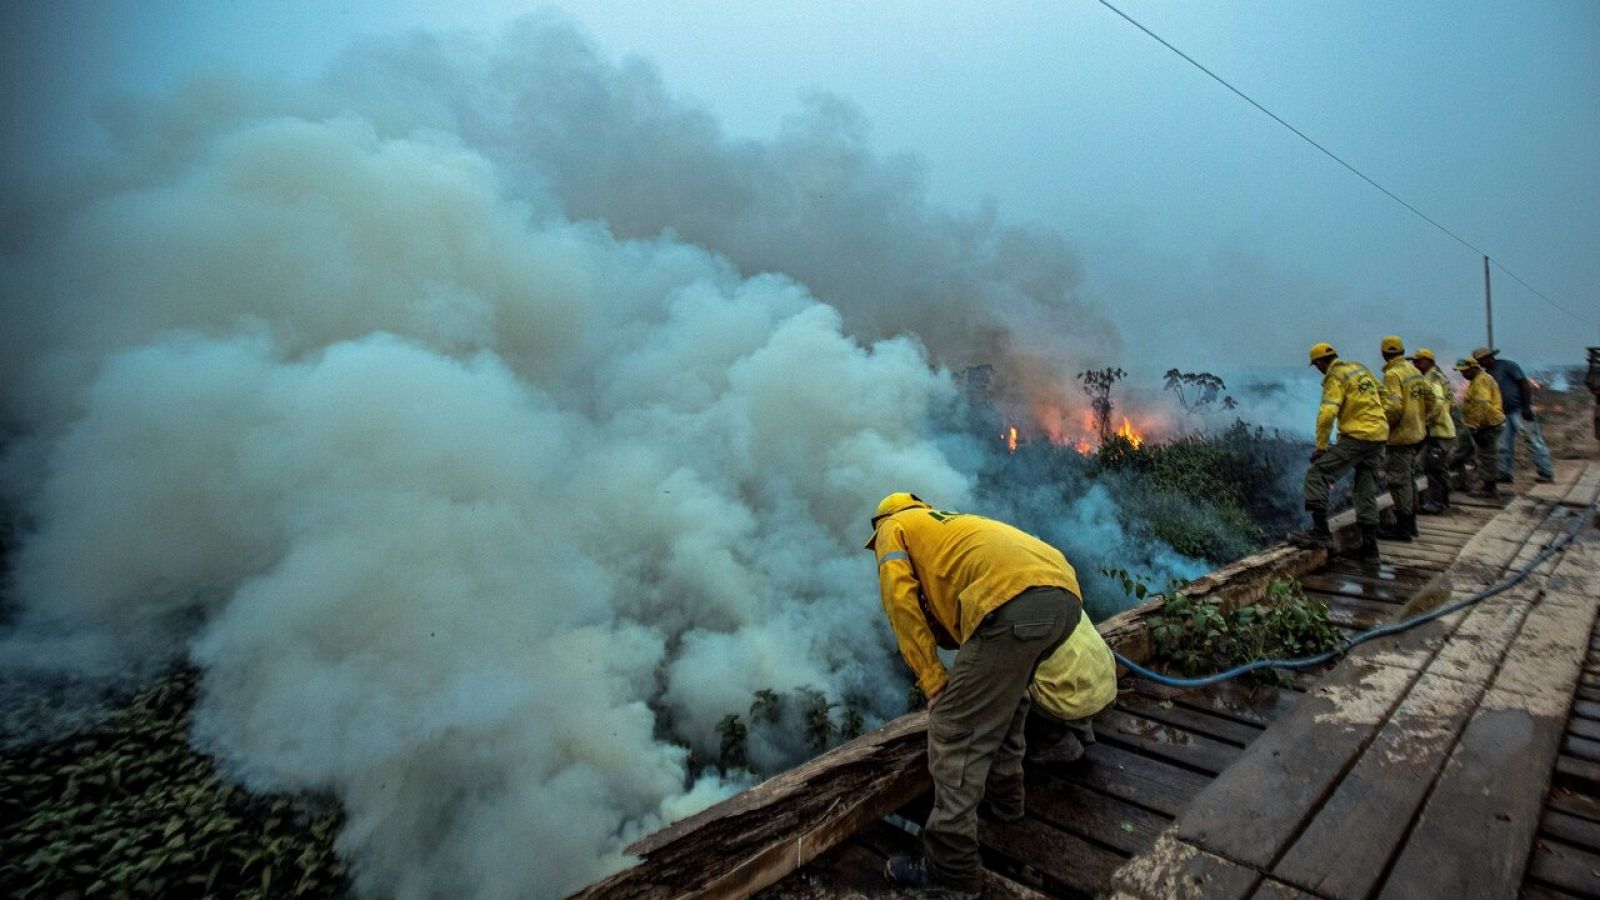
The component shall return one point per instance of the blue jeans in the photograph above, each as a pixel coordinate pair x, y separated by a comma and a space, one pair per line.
1530, 432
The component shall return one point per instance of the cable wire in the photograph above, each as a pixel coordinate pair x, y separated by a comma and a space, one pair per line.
1380, 631
1340, 160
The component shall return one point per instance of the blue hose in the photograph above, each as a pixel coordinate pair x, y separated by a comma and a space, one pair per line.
1382, 630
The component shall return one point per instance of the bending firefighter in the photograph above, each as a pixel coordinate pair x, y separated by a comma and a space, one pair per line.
1352, 398
1009, 601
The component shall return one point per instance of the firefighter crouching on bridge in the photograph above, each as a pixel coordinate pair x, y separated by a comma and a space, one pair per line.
1441, 439
1009, 600
1353, 398
1481, 411
1408, 403
1069, 688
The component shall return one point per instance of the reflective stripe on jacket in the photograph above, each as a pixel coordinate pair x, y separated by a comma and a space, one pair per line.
1080, 678
1408, 401
1351, 396
1481, 407
1441, 425
965, 567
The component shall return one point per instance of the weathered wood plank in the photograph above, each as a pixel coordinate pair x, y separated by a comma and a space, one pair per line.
1575, 830
1176, 870
1277, 890
1580, 772
1572, 802
1297, 763
1498, 773
1565, 867
1222, 728
1063, 859
1344, 850
1582, 727
1074, 808
1146, 782
1158, 739
1581, 748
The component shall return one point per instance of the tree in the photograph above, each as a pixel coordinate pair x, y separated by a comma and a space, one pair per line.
1197, 391
1097, 385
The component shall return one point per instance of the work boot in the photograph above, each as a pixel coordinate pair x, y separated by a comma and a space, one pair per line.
988, 812
1067, 750
1409, 522
913, 872
1431, 507
1545, 479
1489, 491
1368, 550
1395, 532
1317, 536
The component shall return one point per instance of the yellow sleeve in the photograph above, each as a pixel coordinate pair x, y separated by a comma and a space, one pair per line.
1332, 399
1474, 407
1394, 396
897, 582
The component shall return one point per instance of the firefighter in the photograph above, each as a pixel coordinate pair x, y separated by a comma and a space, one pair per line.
1482, 412
1009, 600
1408, 404
1353, 398
1441, 439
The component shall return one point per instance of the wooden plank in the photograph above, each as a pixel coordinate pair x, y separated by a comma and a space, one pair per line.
1354, 586
1245, 700
1176, 870
1498, 773
1581, 748
1225, 729
1277, 890
1475, 649
883, 840
1296, 764
1565, 867
1578, 772
1159, 739
1061, 858
1564, 799
1348, 844
1386, 574
1582, 727
1575, 830
1074, 808
1140, 780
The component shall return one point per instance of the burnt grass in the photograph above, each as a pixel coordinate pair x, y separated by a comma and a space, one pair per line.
128, 808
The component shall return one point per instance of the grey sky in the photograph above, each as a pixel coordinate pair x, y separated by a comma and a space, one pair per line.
1214, 236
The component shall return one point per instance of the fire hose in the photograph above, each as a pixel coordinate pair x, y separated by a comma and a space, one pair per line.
1350, 643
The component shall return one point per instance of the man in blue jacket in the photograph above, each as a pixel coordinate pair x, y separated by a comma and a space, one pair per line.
1516, 395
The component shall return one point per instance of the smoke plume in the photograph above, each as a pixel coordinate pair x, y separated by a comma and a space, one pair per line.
487, 427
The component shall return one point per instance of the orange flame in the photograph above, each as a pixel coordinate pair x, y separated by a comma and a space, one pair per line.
1011, 439
1130, 434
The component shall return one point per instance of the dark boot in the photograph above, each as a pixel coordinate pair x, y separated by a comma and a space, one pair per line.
1317, 536
1396, 531
1410, 525
1368, 550
1489, 491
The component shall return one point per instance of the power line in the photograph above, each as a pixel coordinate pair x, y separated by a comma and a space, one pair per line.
1336, 158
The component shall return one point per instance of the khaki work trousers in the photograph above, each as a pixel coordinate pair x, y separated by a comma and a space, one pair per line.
1400, 468
975, 731
1486, 441
1347, 453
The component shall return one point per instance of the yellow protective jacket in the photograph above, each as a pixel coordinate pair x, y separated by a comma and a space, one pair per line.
1442, 425
1481, 408
1080, 678
963, 567
1351, 396
1407, 402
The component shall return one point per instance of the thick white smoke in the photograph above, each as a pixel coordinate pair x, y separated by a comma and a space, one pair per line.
442, 413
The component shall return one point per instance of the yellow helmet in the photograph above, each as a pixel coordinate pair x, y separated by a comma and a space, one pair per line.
1484, 352
1466, 365
1424, 353
1321, 349
1392, 345
899, 501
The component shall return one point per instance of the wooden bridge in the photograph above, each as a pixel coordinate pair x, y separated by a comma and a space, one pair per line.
1458, 759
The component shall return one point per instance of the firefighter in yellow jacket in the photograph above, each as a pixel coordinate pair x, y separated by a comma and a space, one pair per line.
1008, 600
1353, 398
1441, 438
1482, 412
1408, 404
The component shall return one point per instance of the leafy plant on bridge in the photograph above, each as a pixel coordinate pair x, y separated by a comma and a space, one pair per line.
1196, 636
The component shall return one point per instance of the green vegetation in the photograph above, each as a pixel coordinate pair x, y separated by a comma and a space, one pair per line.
128, 808
1197, 637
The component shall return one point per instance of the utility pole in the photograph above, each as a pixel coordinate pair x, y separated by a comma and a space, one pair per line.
1488, 305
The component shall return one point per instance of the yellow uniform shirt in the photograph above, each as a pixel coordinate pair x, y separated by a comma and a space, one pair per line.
1481, 408
1407, 401
1351, 396
1080, 678
964, 567
1441, 425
